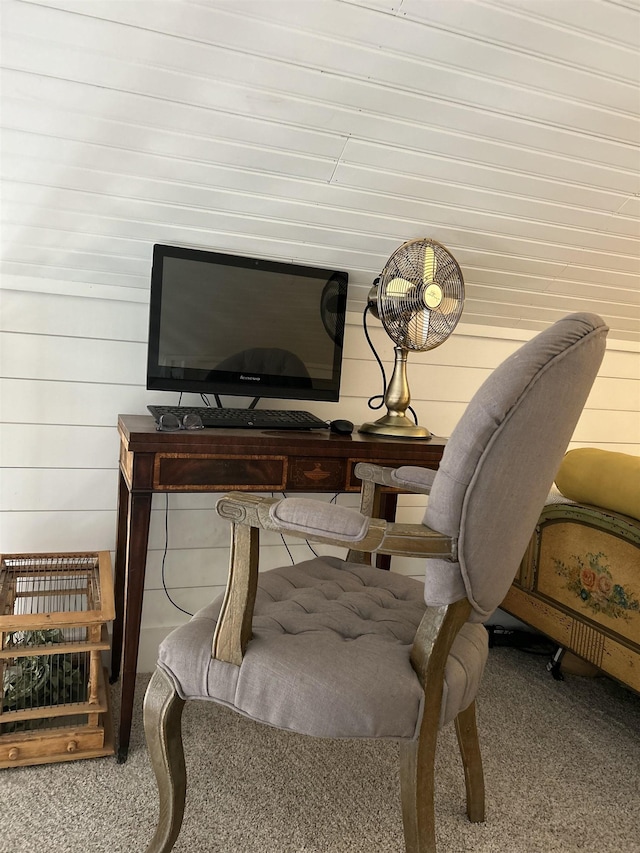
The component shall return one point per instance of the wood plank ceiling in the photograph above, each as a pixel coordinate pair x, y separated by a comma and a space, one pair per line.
328, 132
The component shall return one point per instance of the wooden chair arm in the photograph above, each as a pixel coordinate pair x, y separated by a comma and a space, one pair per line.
384, 537
370, 473
408, 478
374, 478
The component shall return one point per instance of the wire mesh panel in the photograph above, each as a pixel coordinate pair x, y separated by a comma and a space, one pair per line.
53, 614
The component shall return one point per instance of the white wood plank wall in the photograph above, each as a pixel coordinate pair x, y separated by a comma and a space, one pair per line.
320, 131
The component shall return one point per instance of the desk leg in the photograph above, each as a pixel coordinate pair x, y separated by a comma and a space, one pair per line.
119, 576
135, 564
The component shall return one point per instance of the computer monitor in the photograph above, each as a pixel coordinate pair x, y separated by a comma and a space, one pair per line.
224, 324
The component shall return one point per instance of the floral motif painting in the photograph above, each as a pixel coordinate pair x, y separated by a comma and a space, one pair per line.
590, 578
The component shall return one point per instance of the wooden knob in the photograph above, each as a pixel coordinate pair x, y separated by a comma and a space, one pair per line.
72, 746
13, 753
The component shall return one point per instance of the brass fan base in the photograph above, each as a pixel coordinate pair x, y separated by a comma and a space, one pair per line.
396, 426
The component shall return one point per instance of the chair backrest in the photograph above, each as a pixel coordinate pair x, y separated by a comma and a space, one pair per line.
501, 459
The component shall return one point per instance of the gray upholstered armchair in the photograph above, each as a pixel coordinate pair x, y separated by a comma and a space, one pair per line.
337, 648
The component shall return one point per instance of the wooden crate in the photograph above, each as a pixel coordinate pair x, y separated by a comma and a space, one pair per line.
54, 610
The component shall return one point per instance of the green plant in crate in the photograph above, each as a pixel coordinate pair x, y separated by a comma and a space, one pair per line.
42, 680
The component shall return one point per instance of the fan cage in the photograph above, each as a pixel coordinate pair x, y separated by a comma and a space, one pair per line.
401, 301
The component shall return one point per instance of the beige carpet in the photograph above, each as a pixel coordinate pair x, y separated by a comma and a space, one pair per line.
562, 765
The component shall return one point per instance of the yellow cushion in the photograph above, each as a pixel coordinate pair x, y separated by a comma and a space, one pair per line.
601, 478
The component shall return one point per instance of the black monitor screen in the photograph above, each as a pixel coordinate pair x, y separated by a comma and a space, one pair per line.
224, 324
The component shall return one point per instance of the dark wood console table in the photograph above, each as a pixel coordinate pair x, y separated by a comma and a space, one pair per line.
223, 460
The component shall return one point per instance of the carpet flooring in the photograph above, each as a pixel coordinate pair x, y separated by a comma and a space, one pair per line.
562, 768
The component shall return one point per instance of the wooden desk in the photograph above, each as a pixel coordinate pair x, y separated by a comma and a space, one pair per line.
223, 460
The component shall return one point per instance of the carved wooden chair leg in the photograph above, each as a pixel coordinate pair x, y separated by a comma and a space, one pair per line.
417, 772
162, 725
467, 733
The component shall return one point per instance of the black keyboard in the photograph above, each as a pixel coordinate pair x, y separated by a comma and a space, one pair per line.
243, 418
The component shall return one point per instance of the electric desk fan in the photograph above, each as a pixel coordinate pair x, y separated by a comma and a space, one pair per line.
418, 299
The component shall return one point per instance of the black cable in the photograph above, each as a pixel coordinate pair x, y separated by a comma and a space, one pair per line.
380, 397
164, 557
293, 562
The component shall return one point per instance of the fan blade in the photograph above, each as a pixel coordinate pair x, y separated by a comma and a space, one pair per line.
450, 311
398, 287
429, 267
449, 306
418, 329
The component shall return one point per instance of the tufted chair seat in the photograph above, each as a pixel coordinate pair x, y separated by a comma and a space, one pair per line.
350, 625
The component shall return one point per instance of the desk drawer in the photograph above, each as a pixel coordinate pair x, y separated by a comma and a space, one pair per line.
189, 472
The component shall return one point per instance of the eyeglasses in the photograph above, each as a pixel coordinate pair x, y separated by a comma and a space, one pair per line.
172, 423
